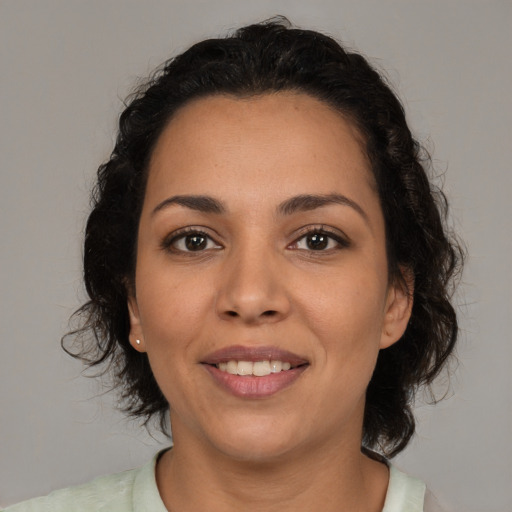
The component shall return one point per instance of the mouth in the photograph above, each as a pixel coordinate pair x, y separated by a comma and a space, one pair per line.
257, 368
254, 372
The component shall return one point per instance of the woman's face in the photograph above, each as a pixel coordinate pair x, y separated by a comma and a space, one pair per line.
262, 247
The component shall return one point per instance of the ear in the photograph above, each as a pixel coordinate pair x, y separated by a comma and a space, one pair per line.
398, 308
136, 336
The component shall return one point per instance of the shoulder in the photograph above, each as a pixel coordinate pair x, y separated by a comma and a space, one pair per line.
408, 494
405, 493
431, 503
112, 493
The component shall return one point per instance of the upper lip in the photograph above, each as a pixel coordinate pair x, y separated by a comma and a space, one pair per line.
254, 354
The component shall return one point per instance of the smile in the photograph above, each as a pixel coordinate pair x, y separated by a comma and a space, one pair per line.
253, 372
258, 368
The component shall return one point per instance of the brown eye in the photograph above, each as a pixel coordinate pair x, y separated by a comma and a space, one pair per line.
192, 241
320, 240
195, 242
317, 241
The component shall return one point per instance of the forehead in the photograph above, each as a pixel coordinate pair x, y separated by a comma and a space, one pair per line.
285, 142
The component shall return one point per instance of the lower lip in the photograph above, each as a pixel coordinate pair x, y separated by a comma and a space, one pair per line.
249, 386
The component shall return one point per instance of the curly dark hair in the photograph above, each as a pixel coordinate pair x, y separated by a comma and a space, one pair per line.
261, 58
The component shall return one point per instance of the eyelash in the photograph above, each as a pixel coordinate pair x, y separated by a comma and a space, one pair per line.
341, 241
168, 243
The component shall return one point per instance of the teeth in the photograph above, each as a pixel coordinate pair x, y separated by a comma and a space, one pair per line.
232, 367
259, 368
244, 368
276, 366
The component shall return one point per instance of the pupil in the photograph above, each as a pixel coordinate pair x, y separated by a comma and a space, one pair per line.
195, 242
317, 242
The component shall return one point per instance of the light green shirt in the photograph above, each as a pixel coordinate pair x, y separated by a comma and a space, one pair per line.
136, 491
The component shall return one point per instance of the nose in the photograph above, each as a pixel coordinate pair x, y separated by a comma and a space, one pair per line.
252, 288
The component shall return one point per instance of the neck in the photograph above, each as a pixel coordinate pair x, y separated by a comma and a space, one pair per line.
194, 477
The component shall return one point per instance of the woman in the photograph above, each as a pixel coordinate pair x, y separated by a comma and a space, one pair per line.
267, 267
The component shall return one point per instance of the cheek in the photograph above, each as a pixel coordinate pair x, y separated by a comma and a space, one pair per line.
345, 317
170, 308
171, 311
347, 306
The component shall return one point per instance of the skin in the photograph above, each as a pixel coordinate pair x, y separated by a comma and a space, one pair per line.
257, 282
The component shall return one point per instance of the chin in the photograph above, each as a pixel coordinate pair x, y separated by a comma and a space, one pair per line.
258, 443
257, 451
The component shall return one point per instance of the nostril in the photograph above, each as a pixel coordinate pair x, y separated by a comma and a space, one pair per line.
248, 316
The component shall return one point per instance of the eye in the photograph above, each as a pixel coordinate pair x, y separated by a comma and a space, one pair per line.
319, 240
191, 241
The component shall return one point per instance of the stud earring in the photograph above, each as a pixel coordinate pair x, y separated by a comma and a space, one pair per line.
137, 341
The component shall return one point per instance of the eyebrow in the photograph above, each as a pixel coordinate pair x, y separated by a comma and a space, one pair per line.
300, 203
204, 204
307, 202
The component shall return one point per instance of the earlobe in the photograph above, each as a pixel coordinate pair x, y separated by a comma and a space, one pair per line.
136, 336
398, 309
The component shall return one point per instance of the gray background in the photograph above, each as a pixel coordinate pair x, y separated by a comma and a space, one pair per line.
66, 64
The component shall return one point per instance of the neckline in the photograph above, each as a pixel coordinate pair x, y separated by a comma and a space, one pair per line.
404, 493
